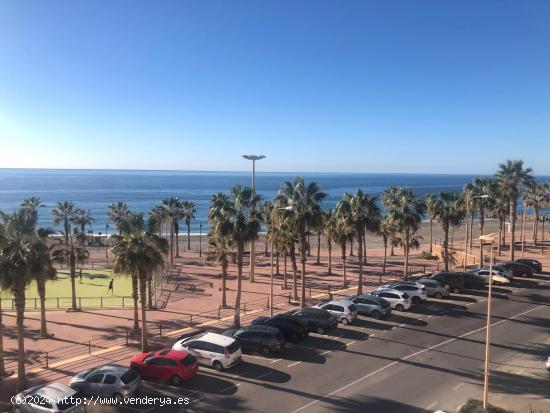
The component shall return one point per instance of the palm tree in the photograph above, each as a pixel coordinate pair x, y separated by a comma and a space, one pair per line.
468, 194
22, 254
156, 219
386, 230
47, 273
32, 205
499, 209
305, 201
170, 209
537, 197
329, 230
512, 177
405, 212
117, 213
82, 218
343, 232
140, 252
284, 241
64, 213
448, 212
431, 203
189, 210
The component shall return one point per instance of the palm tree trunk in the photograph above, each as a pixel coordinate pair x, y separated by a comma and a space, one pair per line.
523, 232
177, 230
344, 280
431, 234
188, 224
237, 316
72, 263
513, 216
500, 229
360, 260
364, 248
385, 258
406, 251
149, 293
535, 226
318, 249
266, 252
284, 276
392, 252
277, 265
143, 301
2, 365
225, 263
135, 298
446, 246
294, 269
351, 247
20, 310
171, 245
329, 257
41, 287
308, 246
471, 229
303, 286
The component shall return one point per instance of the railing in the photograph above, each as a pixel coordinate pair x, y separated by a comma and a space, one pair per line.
60, 303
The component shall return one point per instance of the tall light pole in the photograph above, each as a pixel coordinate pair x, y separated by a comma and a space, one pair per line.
491, 238
544, 218
253, 158
468, 206
106, 238
287, 208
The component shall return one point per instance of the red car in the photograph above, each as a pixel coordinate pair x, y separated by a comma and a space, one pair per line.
518, 269
173, 365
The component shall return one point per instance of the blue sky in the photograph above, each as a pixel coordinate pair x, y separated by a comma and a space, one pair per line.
360, 86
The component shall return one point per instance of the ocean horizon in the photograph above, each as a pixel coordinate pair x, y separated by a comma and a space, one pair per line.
95, 189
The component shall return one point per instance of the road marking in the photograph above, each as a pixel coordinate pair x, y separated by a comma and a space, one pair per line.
431, 406
325, 352
293, 364
254, 357
275, 361
263, 375
458, 386
393, 363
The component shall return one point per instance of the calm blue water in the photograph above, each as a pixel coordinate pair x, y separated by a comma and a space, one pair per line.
95, 189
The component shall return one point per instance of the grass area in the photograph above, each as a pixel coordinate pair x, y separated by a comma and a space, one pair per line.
94, 284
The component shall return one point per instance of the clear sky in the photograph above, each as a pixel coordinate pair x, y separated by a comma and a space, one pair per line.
360, 86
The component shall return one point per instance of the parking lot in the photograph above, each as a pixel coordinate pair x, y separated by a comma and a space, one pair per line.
414, 356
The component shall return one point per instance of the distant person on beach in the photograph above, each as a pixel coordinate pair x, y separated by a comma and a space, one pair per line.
111, 287
80, 275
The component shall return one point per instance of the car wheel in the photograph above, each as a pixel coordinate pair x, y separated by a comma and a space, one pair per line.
439, 296
416, 300
118, 397
344, 321
456, 290
320, 330
265, 351
176, 380
377, 315
217, 366
399, 307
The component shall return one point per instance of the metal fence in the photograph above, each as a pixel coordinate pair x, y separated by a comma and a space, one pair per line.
63, 303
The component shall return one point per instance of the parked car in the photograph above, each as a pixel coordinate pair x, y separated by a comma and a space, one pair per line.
48, 398
262, 339
398, 300
455, 280
417, 292
292, 329
548, 363
472, 281
518, 269
507, 272
498, 277
168, 364
435, 288
317, 320
112, 380
212, 349
535, 265
371, 305
345, 311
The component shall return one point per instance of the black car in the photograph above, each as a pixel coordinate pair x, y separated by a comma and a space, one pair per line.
259, 338
455, 280
291, 328
473, 282
316, 319
535, 265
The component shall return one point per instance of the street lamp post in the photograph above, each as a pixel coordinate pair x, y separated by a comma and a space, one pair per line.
544, 218
200, 239
468, 206
106, 237
253, 158
491, 238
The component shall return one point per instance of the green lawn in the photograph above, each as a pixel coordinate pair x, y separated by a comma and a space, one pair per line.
94, 284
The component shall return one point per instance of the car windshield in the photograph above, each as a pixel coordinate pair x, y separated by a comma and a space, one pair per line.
129, 376
149, 356
233, 347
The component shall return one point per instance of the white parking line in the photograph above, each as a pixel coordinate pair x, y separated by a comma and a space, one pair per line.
275, 361
326, 352
293, 364
350, 343
458, 386
431, 406
393, 363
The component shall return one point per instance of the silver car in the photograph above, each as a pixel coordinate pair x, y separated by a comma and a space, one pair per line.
435, 288
112, 380
49, 398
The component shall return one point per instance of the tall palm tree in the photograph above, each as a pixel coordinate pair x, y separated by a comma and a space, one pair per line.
82, 218
305, 201
22, 254
189, 210
537, 197
405, 211
64, 213
170, 213
284, 242
512, 176
329, 231
448, 212
178, 215
47, 273
140, 252
468, 194
431, 203
386, 230
31, 206
499, 209
117, 213
343, 232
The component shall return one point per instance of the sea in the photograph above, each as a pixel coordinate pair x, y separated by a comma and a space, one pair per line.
142, 190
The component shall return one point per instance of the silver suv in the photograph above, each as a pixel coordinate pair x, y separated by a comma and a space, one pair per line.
345, 311
110, 380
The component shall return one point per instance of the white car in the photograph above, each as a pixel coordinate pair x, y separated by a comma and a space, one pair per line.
345, 311
49, 398
398, 300
497, 276
212, 349
416, 291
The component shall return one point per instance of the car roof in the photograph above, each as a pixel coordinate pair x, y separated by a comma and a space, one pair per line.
216, 338
344, 303
54, 391
172, 354
390, 290
116, 369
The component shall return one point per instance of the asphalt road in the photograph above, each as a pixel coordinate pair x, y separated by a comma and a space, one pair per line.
426, 359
